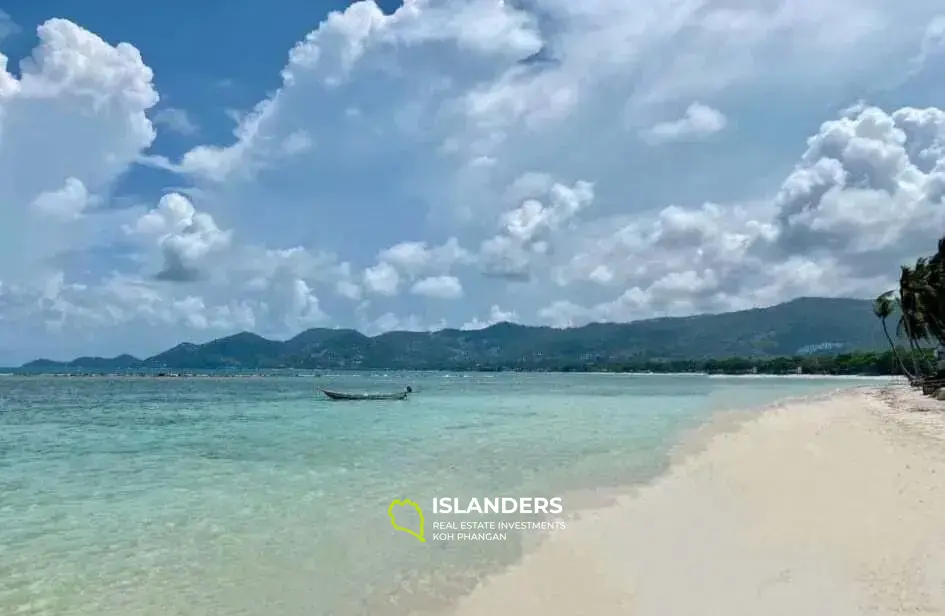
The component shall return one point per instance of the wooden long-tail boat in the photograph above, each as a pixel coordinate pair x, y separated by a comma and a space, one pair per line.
337, 395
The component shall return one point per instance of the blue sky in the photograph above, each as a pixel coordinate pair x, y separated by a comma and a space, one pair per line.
178, 172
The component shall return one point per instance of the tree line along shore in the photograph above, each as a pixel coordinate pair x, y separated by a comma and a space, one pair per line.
886, 363
919, 301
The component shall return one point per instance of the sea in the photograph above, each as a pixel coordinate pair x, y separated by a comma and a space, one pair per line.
257, 496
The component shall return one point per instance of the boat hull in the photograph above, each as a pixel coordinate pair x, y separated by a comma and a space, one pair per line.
335, 395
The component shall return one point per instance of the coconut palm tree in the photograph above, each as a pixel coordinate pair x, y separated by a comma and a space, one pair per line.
916, 298
922, 304
882, 308
920, 300
930, 288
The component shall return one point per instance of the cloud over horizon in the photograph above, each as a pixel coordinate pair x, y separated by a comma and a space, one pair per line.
462, 162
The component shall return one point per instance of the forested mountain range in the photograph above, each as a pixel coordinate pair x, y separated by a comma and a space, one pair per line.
799, 327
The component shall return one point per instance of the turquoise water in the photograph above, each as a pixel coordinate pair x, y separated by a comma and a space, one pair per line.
257, 497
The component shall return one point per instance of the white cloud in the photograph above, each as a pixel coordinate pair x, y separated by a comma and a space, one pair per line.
382, 279
697, 122
176, 120
471, 148
389, 322
186, 237
69, 127
439, 287
496, 315
867, 194
348, 289
68, 202
528, 230
416, 258
8, 27
933, 41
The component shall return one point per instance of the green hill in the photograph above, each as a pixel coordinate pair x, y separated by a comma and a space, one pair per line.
802, 326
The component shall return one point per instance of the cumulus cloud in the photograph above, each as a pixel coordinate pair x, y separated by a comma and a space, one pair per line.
185, 236
72, 123
68, 202
502, 91
697, 122
528, 230
382, 279
416, 258
866, 194
439, 287
470, 148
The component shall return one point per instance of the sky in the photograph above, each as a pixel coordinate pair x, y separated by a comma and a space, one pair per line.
177, 172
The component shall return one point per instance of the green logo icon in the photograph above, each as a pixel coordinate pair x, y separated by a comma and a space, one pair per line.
393, 518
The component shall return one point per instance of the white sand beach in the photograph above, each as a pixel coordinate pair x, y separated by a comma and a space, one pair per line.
833, 505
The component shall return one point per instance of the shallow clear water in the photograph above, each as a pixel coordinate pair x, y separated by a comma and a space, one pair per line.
258, 497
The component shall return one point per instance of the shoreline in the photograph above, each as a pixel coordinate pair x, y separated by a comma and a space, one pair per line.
832, 503
387, 373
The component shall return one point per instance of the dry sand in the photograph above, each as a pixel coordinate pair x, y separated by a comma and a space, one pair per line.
832, 505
